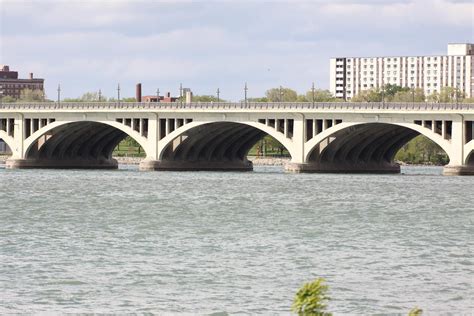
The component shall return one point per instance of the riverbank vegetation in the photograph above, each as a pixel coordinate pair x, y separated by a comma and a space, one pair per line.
312, 300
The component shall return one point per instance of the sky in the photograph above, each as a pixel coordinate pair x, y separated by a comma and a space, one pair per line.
90, 45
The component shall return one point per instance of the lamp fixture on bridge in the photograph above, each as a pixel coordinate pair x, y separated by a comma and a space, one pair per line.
218, 93
280, 94
157, 94
100, 95
181, 93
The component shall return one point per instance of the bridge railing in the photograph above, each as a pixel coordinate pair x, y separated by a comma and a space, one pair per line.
418, 106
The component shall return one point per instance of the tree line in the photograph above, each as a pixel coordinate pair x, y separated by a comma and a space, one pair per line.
388, 93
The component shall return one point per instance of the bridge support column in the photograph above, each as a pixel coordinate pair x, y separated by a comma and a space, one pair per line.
342, 168
61, 164
164, 165
463, 170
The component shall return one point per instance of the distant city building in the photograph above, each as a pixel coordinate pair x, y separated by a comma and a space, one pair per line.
350, 75
11, 86
162, 98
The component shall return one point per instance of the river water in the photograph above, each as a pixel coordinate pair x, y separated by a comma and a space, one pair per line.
209, 242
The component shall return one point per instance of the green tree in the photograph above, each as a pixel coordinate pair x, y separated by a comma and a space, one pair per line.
28, 95
206, 98
320, 95
281, 95
311, 298
261, 99
133, 99
372, 95
8, 99
87, 97
390, 90
450, 94
422, 150
412, 95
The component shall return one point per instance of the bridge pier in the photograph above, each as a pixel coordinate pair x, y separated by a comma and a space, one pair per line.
377, 168
61, 163
165, 165
463, 170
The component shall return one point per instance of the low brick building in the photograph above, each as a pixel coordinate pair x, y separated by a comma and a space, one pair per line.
163, 98
11, 86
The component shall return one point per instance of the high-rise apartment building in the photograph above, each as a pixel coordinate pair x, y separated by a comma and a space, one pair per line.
350, 75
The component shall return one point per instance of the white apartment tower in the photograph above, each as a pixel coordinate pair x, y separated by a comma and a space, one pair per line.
350, 75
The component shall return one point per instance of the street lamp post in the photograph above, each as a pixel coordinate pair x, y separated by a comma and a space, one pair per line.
280, 95
157, 95
312, 92
59, 94
218, 94
245, 93
181, 93
100, 95
383, 95
118, 93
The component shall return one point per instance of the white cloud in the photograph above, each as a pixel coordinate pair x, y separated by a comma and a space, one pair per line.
85, 44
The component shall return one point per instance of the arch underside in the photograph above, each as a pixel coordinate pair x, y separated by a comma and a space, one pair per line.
87, 145
361, 148
212, 146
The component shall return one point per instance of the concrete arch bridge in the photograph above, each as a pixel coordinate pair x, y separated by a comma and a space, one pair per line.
320, 137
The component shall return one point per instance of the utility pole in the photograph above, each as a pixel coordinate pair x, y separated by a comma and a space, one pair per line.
218, 93
280, 95
181, 93
100, 95
312, 92
157, 95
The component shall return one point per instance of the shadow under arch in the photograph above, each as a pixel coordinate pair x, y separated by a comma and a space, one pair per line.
7, 142
364, 148
219, 146
78, 145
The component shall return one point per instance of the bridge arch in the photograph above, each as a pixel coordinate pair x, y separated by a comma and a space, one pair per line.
363, 147
469, 153
77, 144
214, 145
8, 140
